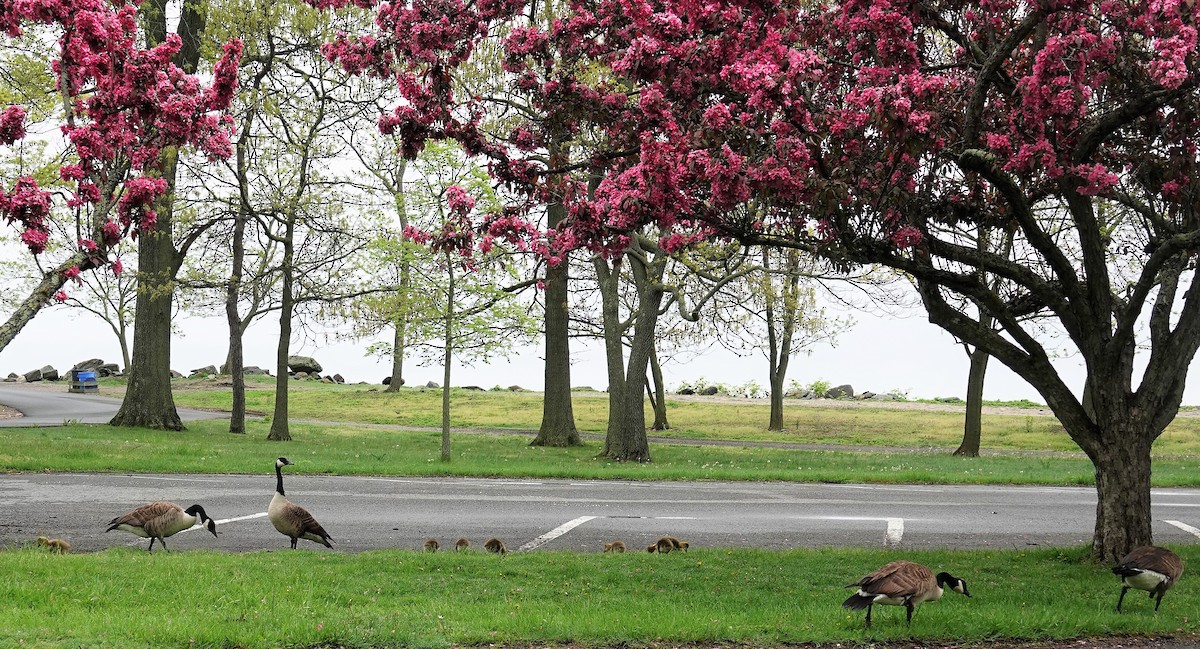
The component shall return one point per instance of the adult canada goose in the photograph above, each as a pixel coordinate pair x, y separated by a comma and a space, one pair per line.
1149, 568
461, 544
292, 520
901, 583
495, 545
158, 520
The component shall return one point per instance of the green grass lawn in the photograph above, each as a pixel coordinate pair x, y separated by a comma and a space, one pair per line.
392, 598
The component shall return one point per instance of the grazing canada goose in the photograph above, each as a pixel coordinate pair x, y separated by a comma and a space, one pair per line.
61, 546
495, 545
461, 544
292, 520
432, 545
158, 520
1149, 568
901, 583
615, 546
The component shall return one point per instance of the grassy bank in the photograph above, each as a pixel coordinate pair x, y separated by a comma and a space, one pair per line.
207, 447
128, 598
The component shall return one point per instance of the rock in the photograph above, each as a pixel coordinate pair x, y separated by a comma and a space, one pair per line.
254, 369
516, 388
92, 364
33, 376
709, 391
304, 364
686, 391
472, 387
327, 379
49, 373
12, 378
207, 370
840, 392
108, 369
338, 378
387, 380
867, 395
299, 375
176, 375
433, 385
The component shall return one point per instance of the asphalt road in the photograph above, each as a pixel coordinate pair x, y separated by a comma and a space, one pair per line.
364, 513
42, 407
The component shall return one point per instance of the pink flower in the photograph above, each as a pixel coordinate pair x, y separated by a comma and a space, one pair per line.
60, 297
117, 267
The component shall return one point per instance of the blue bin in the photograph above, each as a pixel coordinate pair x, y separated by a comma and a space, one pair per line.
83, 381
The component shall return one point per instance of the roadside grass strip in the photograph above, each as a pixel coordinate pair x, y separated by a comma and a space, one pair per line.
126, 597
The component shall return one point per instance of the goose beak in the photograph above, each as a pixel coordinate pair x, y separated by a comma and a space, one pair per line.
212, 527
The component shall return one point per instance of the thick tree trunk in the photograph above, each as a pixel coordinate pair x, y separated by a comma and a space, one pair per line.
1123, 519
626, 438
40, 297
973, 421
148, 401
558, 415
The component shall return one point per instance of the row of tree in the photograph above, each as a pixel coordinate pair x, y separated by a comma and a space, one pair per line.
1028, 165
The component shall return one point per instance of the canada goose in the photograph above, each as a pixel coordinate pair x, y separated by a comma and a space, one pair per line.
901, 583
292, 520
1149, 568
158, 520
61, 546
461, 544
615, 546
432, 545
495, 545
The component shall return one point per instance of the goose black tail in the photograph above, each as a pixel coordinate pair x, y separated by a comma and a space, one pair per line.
857, 602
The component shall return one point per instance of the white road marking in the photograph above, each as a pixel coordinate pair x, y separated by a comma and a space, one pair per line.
895, 532
555, 533
170, 479
1185, 527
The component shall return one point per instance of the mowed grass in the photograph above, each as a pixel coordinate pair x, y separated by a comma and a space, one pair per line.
208, 447
744, 420
393, 598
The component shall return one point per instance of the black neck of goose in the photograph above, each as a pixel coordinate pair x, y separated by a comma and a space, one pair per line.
279, 480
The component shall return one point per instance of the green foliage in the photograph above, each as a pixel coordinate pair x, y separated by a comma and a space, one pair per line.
406, 598
820, 387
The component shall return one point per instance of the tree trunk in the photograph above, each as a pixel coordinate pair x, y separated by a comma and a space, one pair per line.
398, 344
658, 396
279, 420
776, 418
447, 358
148, 401
40, 297
236, 365
1122, 498
558, 415
973, 421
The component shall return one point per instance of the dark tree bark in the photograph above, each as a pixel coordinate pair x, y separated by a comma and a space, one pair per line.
973, 419
398, 345
148, 399
235, 363
447, 358
657, 391
279, 418
149, 402
558, 414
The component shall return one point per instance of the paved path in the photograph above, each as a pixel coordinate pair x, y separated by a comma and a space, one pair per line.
43, 407
378, 512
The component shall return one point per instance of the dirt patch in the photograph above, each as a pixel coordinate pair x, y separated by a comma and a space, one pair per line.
9, 413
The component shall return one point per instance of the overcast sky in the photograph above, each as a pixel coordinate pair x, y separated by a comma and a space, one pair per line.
878, 354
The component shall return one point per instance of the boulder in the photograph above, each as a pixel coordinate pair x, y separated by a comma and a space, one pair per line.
516, 388
207, 370
338, 378
686, 391
176, 375
710, 391
49, 373
840, 392
254, 369
304, 364
108, 369
299, 375
433, 385
474, 388
387, 380
12, 378
327, 379
92, 364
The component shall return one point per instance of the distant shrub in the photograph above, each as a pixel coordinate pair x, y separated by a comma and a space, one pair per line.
819, 388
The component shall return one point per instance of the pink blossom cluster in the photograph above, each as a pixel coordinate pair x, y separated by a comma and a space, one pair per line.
837, 121
127, 104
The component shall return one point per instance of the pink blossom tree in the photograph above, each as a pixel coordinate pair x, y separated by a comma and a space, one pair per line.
879, 131
122, 105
